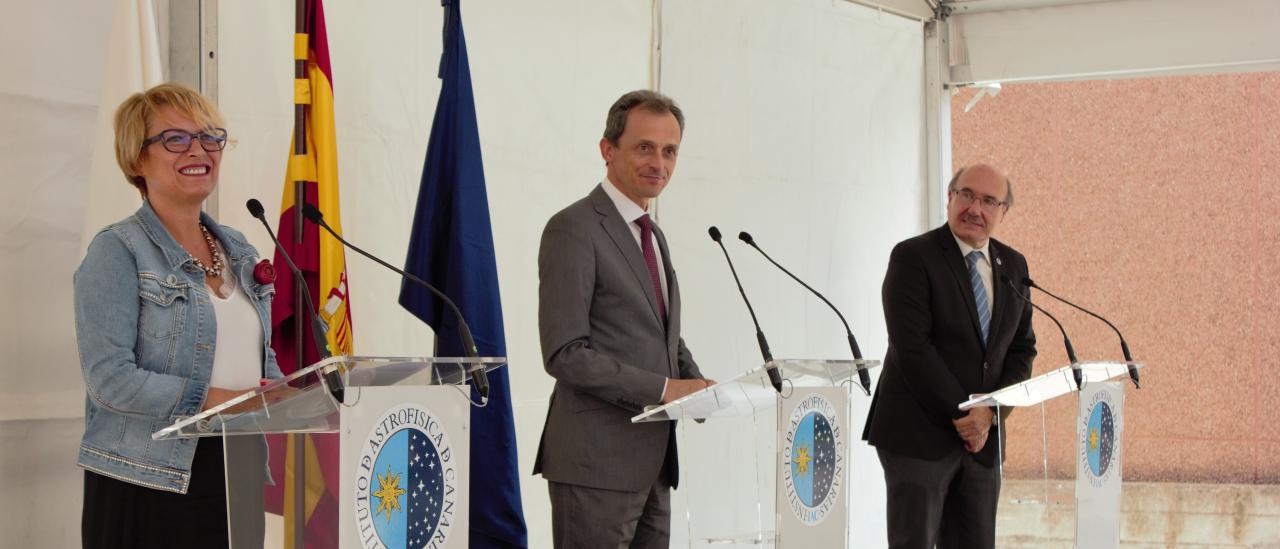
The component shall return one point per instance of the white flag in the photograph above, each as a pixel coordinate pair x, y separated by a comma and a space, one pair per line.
133, 65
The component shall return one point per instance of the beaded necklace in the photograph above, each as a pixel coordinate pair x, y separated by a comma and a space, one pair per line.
216, 270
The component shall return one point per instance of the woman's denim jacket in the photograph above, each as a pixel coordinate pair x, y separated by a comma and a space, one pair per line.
145, 330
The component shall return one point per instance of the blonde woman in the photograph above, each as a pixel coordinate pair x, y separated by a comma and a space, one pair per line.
170, 320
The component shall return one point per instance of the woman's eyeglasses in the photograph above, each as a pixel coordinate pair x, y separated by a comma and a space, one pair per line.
179, 141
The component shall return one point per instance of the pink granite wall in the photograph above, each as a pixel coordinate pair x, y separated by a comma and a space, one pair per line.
1155, 201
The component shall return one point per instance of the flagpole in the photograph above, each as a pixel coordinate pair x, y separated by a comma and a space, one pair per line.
299, 336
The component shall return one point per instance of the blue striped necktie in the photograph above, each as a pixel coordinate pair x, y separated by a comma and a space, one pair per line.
979, 292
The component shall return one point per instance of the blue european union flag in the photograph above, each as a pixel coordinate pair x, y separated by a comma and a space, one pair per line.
451, 246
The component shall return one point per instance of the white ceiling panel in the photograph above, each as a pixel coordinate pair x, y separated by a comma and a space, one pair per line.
1041, 40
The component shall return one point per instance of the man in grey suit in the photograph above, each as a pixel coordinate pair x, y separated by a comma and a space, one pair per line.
609, 320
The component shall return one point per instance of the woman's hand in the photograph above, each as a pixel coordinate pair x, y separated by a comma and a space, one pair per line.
218, 396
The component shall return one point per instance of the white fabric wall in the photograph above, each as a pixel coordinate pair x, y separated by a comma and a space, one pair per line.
48, 101
804, 125
544, 75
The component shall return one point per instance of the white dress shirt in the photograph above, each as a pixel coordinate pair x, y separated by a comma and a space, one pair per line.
984, 266
630, 213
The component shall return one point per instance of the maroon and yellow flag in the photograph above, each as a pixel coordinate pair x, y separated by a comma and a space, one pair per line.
321, 259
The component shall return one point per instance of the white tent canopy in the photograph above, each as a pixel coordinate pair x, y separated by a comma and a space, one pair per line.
1041, 40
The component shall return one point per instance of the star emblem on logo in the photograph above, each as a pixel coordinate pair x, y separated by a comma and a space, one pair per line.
388, 493
802, 459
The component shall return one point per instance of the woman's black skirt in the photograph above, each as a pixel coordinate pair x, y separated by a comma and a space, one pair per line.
118, 514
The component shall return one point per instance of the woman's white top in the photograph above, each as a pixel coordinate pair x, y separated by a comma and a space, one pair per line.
237, 351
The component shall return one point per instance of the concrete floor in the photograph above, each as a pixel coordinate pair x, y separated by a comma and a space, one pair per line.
1042, 514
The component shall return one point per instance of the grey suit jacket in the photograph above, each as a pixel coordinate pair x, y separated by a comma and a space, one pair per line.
607, 348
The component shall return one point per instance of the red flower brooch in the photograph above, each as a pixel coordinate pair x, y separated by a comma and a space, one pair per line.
264, 272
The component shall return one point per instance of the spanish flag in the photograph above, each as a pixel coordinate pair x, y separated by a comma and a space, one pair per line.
321, 259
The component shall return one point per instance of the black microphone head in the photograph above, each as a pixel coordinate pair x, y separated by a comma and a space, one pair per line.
312, 214
714, 232
746, 237
1016, 289
255, 208
1026, 281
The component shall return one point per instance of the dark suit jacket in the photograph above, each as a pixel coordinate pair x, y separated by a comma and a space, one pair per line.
607, 348
936, 357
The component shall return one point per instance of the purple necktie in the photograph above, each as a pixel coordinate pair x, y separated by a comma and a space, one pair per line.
651, 261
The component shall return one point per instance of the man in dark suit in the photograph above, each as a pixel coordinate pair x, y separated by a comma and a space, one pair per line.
955, 329
609, 320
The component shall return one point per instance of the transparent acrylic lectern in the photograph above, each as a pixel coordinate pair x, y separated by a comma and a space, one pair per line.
280, 408
778, 475
1091, 463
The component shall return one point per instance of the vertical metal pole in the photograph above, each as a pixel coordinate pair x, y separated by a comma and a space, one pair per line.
208, 72
937, 119
655, 76
189, 40
299, 322
180, 40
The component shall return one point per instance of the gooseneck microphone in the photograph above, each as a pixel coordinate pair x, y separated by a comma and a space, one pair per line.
1124, 347
775, 378
479, 377
863, 377
1071, 351
319, 330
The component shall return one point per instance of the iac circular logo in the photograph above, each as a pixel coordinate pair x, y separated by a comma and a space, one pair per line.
1098, 439
813, 459
406, 481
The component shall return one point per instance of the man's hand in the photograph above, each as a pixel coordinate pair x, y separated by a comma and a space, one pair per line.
974, 427
680, 388
975, 446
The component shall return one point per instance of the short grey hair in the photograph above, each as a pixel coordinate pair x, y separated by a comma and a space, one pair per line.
651, 101
1008, 186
